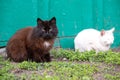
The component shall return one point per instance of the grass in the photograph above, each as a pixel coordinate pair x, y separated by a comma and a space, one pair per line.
68, 65
112, 77
50, 71
108, 57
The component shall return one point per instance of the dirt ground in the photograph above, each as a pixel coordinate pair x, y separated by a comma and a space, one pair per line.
116, 49
103, 67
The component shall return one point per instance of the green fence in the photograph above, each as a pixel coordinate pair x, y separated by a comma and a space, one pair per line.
72, 17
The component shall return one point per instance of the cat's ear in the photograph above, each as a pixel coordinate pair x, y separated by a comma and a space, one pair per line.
102, 32
112, 30
39, 21
53, 20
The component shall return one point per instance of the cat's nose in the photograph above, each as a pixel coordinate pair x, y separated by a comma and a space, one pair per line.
47, 32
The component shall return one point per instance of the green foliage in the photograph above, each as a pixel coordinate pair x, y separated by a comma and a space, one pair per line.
70, 69
5, 67
113, 58
108, 57
27, 65
48, 71
112, 77
8, 76
65, 70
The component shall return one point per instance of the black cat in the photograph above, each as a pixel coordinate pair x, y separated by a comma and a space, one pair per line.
33, 43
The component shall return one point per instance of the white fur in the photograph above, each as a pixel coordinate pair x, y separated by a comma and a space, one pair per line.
91, 39
46, 44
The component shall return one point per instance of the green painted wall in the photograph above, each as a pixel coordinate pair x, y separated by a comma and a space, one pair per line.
72, 17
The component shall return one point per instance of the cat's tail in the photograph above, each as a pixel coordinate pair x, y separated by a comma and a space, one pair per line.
3, 52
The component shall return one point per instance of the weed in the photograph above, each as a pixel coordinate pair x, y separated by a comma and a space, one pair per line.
108, 57
112, 77
27, 65
72, 69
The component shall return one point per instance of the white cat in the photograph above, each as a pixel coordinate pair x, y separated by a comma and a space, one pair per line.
91, 39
